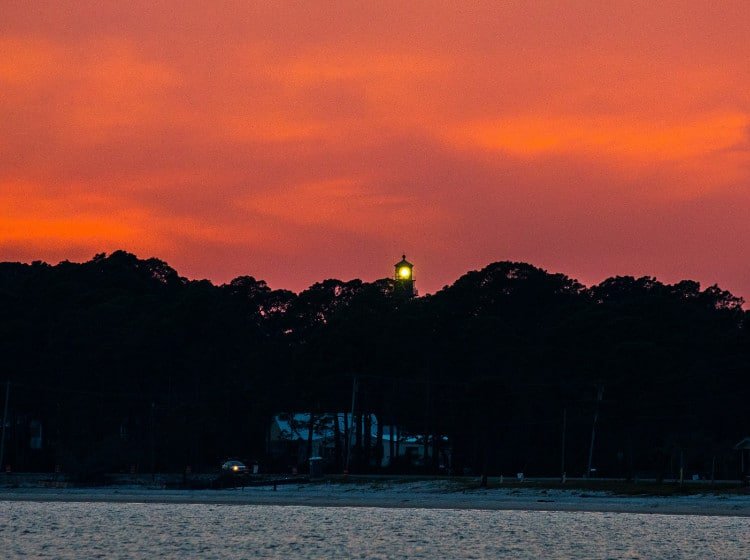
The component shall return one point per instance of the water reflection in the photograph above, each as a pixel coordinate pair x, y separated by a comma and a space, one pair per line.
101, 530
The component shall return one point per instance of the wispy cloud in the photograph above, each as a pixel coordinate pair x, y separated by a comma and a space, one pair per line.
296, 143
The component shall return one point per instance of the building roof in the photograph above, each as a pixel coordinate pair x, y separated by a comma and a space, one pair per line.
403, 262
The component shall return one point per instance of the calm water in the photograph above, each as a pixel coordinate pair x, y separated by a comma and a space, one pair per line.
99, 530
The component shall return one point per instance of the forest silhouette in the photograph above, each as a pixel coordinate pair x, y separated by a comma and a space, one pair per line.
123, 362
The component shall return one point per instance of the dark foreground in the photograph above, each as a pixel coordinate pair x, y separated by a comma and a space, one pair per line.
433, 494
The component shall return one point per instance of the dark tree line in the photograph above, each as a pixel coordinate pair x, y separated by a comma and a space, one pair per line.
123, 362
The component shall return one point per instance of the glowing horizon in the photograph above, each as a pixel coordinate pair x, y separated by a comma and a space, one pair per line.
297, 143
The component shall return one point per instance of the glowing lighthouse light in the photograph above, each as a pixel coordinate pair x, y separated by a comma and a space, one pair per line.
404, 273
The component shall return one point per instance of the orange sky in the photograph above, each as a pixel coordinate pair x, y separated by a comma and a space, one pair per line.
301, 143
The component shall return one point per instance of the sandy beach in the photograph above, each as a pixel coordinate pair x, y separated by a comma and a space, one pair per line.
427, 494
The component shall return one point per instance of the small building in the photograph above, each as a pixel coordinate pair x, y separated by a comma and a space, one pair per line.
289, 434
743, 446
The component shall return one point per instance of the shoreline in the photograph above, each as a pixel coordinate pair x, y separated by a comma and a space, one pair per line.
428, 496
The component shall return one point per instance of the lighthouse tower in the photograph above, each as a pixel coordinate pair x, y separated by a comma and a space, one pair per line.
404, 277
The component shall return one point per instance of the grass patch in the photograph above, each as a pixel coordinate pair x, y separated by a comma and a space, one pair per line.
615, 487
624, 488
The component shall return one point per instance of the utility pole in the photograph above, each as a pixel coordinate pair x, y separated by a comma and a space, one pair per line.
351, 427
153, 444
5, 420
599, 395
562, 453
713, 469
682, 466
427, 424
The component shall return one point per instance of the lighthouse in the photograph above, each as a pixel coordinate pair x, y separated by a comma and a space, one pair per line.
404, 277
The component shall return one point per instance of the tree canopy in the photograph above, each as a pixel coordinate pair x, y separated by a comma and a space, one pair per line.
118, 354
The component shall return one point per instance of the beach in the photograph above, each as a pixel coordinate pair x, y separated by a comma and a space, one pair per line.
388, 494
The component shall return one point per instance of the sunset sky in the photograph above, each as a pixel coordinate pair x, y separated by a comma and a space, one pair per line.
298, 141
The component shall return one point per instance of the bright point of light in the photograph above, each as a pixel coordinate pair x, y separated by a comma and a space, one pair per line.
235, 468
404, 272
